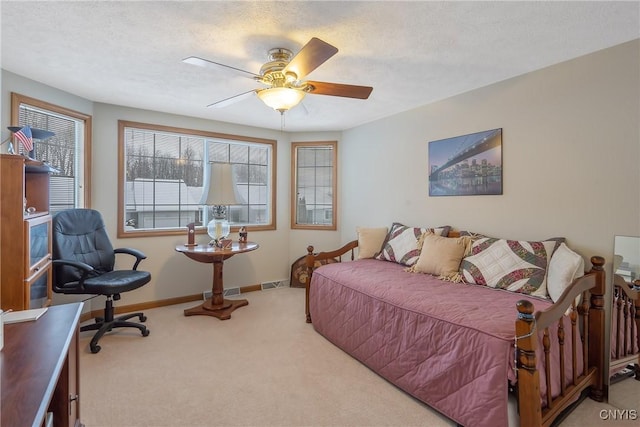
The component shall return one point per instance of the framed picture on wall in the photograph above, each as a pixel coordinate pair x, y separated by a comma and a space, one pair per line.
466, 165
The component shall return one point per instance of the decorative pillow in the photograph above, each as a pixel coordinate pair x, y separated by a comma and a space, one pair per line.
401, 244
370, 241
440, 255
565, 267
517, 266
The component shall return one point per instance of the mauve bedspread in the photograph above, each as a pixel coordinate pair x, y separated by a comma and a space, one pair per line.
449, 345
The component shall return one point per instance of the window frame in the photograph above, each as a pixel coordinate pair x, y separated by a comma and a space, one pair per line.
85, 185
122, 124
294, 185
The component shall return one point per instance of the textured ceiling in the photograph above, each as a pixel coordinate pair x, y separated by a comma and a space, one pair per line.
412, 53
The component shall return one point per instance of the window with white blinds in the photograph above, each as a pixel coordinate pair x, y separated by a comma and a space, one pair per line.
164, 170
313, 180
65, 151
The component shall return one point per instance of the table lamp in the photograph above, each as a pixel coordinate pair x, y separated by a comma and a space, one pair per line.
219, 192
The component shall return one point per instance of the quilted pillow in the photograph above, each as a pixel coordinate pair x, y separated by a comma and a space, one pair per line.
513, 265
370, 241
401, 245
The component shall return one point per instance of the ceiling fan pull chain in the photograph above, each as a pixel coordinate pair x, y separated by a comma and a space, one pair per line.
282, 121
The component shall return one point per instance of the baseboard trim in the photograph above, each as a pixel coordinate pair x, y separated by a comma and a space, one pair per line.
251, 288
158, 303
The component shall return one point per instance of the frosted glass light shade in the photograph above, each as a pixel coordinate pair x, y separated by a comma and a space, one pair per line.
281, 98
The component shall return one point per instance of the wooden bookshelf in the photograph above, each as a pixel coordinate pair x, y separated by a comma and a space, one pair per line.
25, 238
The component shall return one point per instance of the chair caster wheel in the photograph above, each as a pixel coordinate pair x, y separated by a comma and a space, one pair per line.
143, 318
95, 349
145, 333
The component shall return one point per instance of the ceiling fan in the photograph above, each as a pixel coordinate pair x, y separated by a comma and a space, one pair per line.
283, 75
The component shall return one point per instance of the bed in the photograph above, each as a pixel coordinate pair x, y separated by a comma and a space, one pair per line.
434, 340
625, 324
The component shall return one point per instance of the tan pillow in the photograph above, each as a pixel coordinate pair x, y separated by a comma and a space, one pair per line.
441, 256
370, 241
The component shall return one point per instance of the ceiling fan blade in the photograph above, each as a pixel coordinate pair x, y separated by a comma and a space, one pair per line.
194, 60
310, 57
337, 89
233, 99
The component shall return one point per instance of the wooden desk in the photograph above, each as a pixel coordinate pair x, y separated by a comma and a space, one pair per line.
39, 367
216, 306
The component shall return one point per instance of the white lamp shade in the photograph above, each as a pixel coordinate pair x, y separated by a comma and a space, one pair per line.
281, 98
220, 188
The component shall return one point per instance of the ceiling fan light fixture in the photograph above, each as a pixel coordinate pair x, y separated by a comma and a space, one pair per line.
281, 98
283, 77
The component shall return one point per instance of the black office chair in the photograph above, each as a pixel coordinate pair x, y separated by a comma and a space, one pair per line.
83, 261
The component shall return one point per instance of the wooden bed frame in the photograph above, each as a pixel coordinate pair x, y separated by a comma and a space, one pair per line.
627, 306
528, 323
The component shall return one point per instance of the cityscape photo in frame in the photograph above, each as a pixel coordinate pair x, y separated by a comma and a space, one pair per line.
466, 165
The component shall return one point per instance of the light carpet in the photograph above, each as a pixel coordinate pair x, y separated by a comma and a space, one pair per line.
263, 367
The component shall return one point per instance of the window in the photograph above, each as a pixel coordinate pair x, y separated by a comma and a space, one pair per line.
161, 177
68, 151
313, 185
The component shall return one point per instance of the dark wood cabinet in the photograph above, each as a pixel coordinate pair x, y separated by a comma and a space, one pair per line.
39, 370
25, 237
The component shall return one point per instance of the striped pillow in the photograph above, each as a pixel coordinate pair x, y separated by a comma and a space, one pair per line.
401, 245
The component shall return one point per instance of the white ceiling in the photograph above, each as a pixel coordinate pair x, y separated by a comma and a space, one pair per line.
412, 53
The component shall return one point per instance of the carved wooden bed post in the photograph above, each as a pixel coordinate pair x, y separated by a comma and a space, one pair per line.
528, 376
310, 261
597, 330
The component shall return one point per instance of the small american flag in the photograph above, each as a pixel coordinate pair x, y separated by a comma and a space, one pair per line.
24, 136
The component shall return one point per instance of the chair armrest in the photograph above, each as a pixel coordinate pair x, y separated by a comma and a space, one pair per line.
86, 269
139, 255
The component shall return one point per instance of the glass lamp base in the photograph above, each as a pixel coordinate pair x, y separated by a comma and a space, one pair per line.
218, 229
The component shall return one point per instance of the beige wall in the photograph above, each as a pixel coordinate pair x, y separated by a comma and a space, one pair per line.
571, 157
